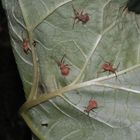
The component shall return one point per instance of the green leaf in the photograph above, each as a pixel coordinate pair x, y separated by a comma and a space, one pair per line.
55, 103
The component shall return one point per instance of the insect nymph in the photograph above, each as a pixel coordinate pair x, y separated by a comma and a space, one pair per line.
92, 104
108, 67
80, 16
25, 44
64, 68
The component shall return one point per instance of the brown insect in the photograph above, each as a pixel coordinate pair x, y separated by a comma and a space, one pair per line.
25, 45
80, 17
92, 104
64, 68
108, 67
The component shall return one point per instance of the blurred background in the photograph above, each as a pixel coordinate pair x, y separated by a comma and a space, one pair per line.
12, 127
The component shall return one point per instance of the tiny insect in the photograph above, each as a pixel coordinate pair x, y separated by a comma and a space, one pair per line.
108, 67
25, 45
64, 68
34, 43
92, 104
45, 124
80, 17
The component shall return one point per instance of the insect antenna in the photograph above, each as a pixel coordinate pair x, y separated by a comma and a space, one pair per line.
22, 34
91, 98
104, 59
62, 59
74, 10
56, 61
75, 13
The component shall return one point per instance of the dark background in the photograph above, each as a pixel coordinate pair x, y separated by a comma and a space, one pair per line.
12, 127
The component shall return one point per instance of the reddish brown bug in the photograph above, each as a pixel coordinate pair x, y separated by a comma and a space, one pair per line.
92, 104
25, 45
108, 67
80, 16
64, 68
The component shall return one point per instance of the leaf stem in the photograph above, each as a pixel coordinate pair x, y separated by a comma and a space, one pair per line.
96, 82
33, 91
34, 88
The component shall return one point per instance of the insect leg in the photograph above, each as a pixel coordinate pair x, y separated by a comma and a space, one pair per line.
104, 60
100, 72
73, 23
93, 110
77, 21
116, 75
81, 12
74, 10
117, 66
115, 69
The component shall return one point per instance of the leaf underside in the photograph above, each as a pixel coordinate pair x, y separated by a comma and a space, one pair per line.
111, 35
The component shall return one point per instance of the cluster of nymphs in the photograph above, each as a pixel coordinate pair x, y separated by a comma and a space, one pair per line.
78, 17
106, 67
65, 68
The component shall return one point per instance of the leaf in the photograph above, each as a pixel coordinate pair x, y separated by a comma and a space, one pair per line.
55, 103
